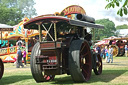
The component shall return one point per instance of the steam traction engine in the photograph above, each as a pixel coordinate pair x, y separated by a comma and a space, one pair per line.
65, 48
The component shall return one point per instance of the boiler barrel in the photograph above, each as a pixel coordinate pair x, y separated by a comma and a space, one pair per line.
86, 18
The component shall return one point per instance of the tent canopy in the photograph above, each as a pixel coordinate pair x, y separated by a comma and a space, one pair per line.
4, 27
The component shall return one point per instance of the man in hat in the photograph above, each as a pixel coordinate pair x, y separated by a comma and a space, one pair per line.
19, 58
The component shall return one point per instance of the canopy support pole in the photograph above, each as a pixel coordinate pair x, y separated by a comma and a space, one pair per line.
40, 32
55, 32
1, 37
93, 30
26, 41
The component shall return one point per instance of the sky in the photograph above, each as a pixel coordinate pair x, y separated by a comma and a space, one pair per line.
93, 8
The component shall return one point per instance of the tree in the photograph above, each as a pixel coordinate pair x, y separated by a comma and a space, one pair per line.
109, 29
26, 6
11, 16
13, 11
122, 10
122, 26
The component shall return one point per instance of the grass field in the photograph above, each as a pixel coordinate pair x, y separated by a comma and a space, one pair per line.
113, 73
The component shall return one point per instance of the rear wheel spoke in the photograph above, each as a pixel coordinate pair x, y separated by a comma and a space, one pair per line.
84, 54
82, 48
85, 71
88, 64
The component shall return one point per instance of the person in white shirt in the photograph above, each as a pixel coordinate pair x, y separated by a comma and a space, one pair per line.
110, 51
126, 50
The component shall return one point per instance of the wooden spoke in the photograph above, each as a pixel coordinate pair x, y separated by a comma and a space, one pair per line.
85, 54
85, 73
82, 48
88, 64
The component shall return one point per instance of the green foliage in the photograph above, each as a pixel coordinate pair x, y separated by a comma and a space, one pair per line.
13, 11
122, 26
10, 15
122, 10
26, 6
108, 31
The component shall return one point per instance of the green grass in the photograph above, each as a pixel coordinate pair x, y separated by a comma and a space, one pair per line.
113, 73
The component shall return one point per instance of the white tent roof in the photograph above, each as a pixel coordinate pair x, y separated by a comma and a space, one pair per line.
5, 26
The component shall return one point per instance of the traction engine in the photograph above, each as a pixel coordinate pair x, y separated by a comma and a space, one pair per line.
65, 49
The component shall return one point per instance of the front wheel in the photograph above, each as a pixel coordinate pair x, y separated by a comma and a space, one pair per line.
98, 68
36, 69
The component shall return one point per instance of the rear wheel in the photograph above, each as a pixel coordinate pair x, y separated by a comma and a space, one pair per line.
37, 72
1, 68
98, 68
80, 61
122, 51
115, 50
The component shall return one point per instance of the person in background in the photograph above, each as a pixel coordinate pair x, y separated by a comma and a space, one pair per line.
106, 52
98, 49
24, 56
110, 51
110, 42
126, 50
103, 52
19, 58
19, 43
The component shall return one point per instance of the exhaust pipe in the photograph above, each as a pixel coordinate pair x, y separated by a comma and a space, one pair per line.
83, 17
